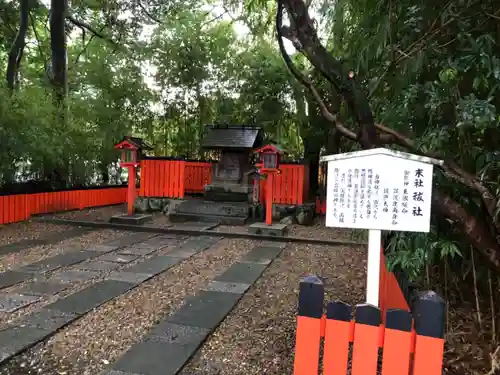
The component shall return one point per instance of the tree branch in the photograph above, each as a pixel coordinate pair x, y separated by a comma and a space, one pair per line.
333, 70
85, 26
38, 42
475, 230
16, 50
148, 13
449, 168
305, 81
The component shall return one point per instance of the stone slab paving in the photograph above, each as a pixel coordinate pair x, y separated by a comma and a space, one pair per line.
190, 248
30, 271
154, 265
48, 319
171, 343
131, 239
91, 297
245, 273
137, 251
9, 278
14, 339
54, 238
98, 266
73, 276
194, 225
228, 287
37, 326
17, 247
59, 261
103, 248
12, 302
42, 288
118, 258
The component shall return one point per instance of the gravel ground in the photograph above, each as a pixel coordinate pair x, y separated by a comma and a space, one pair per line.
316, 231
94, 214
82, 241
258, 336
27, 230
30, 230
34, 254
101, 336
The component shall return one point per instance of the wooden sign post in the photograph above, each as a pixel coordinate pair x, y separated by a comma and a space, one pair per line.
379, 189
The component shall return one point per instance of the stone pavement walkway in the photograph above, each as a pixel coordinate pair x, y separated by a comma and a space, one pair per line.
54, 238
43, 323
170, 344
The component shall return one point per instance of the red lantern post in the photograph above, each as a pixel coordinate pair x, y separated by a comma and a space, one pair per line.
131, 148
270, 160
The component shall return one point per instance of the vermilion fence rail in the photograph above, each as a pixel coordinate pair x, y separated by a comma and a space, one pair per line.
19, 207
290, 186
409, 344
196, 175
161, 177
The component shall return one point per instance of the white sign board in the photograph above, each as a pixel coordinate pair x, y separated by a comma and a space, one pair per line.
379, 191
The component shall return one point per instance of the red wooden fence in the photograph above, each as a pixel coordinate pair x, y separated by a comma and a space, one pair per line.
19, 207
175, 178
196, 175
162, 178
410, 345
290, 186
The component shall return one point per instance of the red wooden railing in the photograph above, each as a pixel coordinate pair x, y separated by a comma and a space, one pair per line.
290, 186
410, 344
176, 178
162, 178
19, 207
196, 175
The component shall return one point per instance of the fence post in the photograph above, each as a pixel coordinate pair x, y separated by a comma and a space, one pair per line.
429, 316
337, 337
308, 333
366, 339
397, 342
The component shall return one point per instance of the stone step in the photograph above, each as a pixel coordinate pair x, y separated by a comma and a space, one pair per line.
221, 219
213, 208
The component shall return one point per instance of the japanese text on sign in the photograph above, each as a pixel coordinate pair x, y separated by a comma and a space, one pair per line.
393, 195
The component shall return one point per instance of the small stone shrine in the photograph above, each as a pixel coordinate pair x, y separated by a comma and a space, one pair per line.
227, 199
230, 176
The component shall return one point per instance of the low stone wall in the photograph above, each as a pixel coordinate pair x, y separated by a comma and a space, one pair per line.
286, 214
147, 204
302, 214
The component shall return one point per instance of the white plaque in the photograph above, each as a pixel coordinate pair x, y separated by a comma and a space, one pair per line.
379, 191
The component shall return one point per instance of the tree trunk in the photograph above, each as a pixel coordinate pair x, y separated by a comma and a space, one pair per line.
17, 48
474, 230
58, 13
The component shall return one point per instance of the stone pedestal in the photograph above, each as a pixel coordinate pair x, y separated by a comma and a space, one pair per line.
277, 230
227, 213
135, 219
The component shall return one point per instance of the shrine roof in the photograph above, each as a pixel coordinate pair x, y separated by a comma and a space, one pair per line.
271, 148
232, 137
137, 142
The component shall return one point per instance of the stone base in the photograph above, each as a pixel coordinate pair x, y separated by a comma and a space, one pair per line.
225, 196
277, 230
228, 213
136, 219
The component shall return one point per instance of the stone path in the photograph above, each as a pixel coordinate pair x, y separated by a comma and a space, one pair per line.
171, 343
43, 323
19, 246
30, 271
